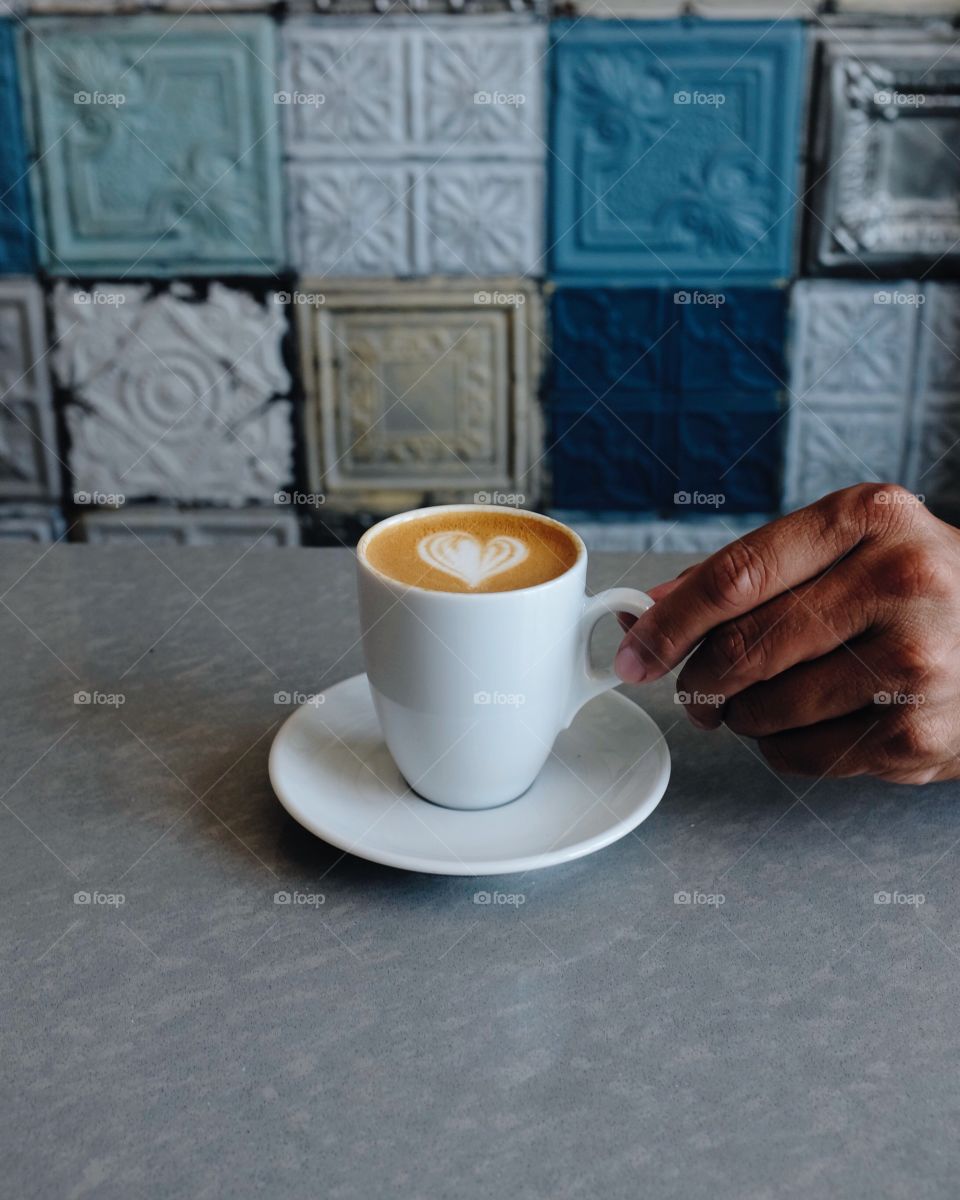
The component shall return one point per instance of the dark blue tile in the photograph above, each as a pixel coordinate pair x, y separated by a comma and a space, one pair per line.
607, 338
735, 455
731, 347
606, 458
17, 249
675, 149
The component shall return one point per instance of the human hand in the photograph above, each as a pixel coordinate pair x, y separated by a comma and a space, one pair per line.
831, 635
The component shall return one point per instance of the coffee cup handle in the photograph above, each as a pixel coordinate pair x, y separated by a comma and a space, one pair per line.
592, 682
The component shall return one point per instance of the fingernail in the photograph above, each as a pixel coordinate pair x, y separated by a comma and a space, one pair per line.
629, 665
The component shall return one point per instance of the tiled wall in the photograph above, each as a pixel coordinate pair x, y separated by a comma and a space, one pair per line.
268, 272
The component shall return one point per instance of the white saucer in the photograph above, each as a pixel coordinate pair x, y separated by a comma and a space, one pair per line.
332, 772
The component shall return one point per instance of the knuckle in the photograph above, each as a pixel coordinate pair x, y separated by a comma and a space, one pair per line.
912, 662
739, 646
908, 738
914, 570
748, 714
736, 577
880, 505
659, 641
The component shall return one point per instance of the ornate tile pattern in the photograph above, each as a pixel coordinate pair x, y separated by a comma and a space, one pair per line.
934, 461
248, 528
437, 170
30, 523
174, 396
852, 383
675, 150
29, 466
413, 8
888, 194
157, 145
17, 249
421, 387
663, 399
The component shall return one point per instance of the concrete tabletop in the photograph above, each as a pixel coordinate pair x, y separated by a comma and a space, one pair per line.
182, 1035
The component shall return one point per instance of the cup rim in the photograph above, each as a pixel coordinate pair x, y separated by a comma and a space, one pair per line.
414, 513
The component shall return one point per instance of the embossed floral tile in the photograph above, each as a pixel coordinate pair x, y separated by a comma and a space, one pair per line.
853, 385
436, 170
17, 242
675, 150
157, 144
425, 388
174, 395
656, 394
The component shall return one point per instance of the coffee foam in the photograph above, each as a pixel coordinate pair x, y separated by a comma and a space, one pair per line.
472, 551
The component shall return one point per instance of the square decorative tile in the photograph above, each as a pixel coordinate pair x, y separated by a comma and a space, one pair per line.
31, 523
656, 394
157, 145
437, 170
17, 248
422, 387
249, 528
896, 8
852, 385
797, 10
173, 395
675, 149
888, 190
408, 9
934, 462
29, 465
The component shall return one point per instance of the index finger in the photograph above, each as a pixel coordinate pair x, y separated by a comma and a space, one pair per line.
747, 573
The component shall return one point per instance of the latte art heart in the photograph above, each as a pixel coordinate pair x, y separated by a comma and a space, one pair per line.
466, 558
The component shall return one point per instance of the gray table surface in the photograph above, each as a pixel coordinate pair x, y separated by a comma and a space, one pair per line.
799, 1040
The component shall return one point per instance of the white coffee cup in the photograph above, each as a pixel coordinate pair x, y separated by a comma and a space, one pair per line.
471, 690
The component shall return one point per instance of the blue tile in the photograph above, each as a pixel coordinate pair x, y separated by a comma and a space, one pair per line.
17, 252
675, 150
730, 347
605, 458
653, 392
735, 455
157, 144
607, 337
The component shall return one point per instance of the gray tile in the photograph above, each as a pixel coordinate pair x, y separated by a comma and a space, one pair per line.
30, 523
173, 395
888, 190
249, 528
29, 464
935, 424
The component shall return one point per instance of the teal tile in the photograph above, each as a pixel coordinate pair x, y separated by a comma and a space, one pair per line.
16, 233
157, 145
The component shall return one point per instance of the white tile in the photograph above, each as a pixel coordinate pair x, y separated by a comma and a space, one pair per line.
436, 170
251, 528
173, 396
